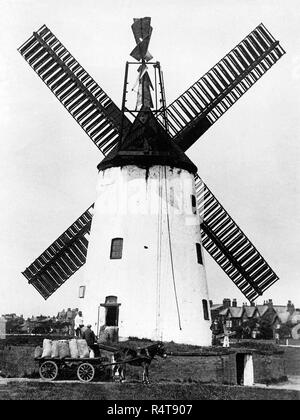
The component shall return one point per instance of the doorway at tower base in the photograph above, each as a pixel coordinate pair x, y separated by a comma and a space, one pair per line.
108, 318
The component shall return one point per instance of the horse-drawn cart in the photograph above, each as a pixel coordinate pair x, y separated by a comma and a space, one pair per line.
86, 369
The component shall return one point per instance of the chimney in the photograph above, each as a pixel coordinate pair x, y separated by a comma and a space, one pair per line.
252, 303
226, 303
210, 303
234, 303
270, 303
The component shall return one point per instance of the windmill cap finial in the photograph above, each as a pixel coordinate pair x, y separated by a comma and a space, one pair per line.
142, 31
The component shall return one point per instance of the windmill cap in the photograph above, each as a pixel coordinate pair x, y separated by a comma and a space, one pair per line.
147, 144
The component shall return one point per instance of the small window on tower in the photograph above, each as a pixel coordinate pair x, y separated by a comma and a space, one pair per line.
81, 292
205, 309
199, 254
194, 204
116, 249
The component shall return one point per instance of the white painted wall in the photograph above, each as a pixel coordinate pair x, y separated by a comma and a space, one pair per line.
133, 203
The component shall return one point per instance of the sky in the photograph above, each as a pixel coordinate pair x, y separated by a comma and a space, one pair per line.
249, 158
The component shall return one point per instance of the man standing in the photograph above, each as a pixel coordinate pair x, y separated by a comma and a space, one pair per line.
91, 340
78, 324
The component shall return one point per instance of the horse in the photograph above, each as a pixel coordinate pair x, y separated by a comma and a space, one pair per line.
139, 357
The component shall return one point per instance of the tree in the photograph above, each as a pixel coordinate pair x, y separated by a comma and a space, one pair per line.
285, 330
14, 325
266, 330
247, 328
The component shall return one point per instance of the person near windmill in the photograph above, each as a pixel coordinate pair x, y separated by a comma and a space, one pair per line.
89, 336
78, 324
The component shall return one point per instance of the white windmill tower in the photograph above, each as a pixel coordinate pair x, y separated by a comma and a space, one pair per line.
144, 260
145, 273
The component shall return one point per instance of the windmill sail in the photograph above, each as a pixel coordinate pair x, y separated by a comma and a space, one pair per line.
85, 100
62, 258
200, 106
230, 247
188, 118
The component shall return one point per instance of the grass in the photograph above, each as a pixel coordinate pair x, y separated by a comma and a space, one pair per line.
171, 347
162, 390
136, 391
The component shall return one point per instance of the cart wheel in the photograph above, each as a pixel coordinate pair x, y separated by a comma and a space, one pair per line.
86, 372
48, 370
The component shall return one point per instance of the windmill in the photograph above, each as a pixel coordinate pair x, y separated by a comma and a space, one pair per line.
154, 144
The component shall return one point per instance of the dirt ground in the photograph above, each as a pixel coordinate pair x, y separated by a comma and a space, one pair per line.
24, 389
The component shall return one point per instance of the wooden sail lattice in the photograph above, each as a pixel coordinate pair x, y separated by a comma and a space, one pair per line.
189, 116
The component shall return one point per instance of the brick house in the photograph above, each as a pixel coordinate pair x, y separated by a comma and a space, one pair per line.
232, 316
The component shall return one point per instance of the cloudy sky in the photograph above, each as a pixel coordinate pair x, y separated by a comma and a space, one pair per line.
249, 159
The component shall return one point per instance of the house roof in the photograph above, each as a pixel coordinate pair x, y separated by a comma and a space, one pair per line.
280, 308
235, 312
224, 311
262, 309
216, 306
250, 311
279, 312
283, 316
